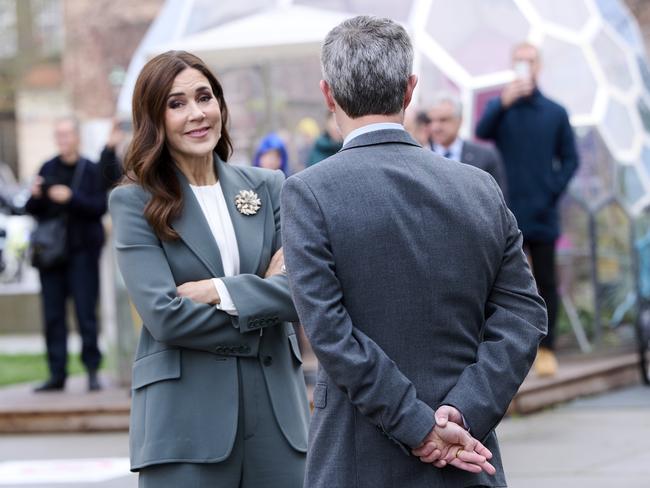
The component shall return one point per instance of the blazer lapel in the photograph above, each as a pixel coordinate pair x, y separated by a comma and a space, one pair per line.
195, 231
249, 229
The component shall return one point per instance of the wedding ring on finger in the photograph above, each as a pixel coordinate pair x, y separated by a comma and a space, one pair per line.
458, 452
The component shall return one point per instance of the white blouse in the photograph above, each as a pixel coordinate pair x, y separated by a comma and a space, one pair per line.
214, 207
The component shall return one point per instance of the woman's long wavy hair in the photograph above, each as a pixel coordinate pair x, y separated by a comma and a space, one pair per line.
148, 162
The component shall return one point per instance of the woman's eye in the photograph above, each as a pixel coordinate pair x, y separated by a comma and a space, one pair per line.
175, 104
205, 98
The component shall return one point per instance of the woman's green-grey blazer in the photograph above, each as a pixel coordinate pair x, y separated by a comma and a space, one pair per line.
185, 384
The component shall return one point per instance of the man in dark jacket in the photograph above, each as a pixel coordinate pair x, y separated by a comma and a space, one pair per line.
534, 137
70, 185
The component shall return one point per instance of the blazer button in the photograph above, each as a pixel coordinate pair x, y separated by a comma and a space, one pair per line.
267, 361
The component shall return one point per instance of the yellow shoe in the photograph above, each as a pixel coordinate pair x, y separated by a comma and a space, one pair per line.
545, 363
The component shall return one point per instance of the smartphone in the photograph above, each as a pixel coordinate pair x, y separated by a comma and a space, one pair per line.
522, 70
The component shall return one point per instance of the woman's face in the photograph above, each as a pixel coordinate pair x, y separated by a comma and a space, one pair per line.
192, 116
271, 159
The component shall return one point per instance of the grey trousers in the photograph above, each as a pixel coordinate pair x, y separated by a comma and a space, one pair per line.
261, 456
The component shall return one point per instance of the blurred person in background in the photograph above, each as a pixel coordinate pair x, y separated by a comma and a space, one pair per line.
327, 144
271, 153
69, 185
110, 160
535, 139
219, 395
446, 116
417, 123
305, 134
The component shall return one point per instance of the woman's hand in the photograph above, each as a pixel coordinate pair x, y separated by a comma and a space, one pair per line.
276, 266
202, 291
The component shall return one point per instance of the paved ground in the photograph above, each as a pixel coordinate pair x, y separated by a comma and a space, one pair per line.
590, 443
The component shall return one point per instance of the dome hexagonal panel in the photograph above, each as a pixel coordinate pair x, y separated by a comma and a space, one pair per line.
645, 159
642, 248
614, 60
204, 15
572, 15
395, 10
629, 187
645, 72
617, 15
644, 112
573, 255
468, 29
567, 69
594, 180
614, 266
432, 81
618, 128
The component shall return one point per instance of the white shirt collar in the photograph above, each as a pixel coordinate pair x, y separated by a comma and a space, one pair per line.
455, 149
371, 128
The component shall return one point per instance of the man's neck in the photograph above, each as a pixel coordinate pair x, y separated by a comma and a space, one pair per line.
347, 124
69, 159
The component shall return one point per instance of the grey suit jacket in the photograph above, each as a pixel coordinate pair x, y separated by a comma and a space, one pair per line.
408, 275
185, 381
486, 158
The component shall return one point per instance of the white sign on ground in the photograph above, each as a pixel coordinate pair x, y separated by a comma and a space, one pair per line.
62, 471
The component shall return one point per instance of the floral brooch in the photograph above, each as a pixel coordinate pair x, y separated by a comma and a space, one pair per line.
247, 202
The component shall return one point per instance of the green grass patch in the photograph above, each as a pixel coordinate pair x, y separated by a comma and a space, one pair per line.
24, 368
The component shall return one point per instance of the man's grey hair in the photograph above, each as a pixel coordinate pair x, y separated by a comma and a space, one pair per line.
367, 62
448, 97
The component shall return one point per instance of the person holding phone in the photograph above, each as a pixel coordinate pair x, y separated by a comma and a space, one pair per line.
536, 142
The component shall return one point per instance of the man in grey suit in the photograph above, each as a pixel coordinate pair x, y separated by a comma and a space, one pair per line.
446, 115
408, 275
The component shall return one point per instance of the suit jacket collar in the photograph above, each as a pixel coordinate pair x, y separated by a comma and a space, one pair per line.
195, 232
385, 136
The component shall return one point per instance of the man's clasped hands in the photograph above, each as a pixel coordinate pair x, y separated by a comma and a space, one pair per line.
450, 443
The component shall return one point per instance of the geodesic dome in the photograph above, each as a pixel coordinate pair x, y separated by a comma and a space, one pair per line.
593, 63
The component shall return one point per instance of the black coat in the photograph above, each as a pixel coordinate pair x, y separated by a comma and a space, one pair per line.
84, 209
537, 145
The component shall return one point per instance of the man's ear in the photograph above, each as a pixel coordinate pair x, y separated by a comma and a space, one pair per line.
327, 94
410, 87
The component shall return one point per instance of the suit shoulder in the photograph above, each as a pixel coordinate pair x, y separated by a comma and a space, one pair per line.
91, 165
49, 164
483, 149
555, 106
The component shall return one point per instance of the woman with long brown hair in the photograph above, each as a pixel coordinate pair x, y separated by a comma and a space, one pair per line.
218, 392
